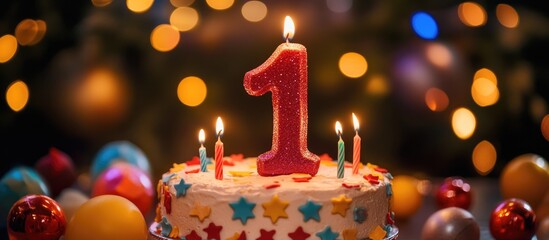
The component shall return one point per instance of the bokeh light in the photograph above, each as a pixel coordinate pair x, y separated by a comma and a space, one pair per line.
254, 11
439, 55
26, 31
8, 47
42, 27
184, 18
353, 65
463, 123
339, 6
507, 15
484, 157
484, 92
220, 4
377, 85
538, 108
472, 14
545, 127
139, 6
164, 37
486, 73
17, 95
436, 99
181, 3
424, 25
192, 91
101, 3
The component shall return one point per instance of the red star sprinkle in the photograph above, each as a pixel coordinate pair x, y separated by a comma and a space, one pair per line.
213, 231
192, 236
237, 157
381, 170
242, 236
371, 179
301, 179
266, 235
299, 234
194, 161
351, 185
192, 171
227, 162
272, 185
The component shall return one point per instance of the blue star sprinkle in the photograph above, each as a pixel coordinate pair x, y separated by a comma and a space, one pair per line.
166, 227
242, 210
181, 188
310, 210
327, 234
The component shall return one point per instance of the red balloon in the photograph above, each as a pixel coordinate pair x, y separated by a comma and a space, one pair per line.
513, 219
454, 192
36, 217
128, 181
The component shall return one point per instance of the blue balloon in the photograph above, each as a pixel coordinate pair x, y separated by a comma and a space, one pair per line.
424, 25
124, 151
17, 183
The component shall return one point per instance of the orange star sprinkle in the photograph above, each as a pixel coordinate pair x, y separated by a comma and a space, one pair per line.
349, 234
377, 234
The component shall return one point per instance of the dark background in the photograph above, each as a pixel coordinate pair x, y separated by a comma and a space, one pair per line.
398, 130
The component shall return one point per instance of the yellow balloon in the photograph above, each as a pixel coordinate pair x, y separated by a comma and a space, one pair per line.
406, 198
107, 217
526, 177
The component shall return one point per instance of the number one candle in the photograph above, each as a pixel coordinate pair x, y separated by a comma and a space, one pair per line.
219, 150
284, 74
202, 151
340, 151
356, 146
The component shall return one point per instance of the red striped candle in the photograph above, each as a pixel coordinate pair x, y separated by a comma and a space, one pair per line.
356, 146
219, 150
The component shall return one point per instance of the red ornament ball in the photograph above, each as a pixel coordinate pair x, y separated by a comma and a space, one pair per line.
513, 219
36, 217
454, 192
57, 169
128, 181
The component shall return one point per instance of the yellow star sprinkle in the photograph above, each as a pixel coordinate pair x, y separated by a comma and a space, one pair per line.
240, 173
234, 237
177, 167
379, 175
275, 209
378, 233
349, 234
328, 163
200, 211
371, 166
341, 205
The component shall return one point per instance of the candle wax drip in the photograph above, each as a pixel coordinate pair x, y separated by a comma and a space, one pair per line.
284, 74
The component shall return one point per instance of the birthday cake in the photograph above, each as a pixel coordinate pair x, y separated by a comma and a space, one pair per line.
244, 205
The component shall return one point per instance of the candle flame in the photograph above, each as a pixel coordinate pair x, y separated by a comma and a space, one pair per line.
201, 136
338, 128
219, 127
289, 28
355, 122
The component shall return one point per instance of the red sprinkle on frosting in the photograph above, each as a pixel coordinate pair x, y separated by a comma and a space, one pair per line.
194, 161
372, 179
301, 179
351, 185
192, 171
228, 162
381, 170
272, 185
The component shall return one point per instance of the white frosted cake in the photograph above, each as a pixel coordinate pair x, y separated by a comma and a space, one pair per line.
195, 205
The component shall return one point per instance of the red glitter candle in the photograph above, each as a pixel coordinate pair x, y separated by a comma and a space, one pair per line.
284, 74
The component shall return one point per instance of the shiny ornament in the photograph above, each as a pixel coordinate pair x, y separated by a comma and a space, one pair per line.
17, 183
128, 181
107, 217
119, 151
454, 192
451, 223
70, 200
406, 198
57, 169
526, 177
513, 219
36, 217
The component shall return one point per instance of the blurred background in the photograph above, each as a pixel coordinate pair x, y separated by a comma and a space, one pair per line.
441, 88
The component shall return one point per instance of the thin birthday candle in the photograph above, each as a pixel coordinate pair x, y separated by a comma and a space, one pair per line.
340, 151
219, 150
202, 151
356, 146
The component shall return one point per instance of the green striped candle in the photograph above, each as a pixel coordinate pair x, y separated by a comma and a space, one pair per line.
340, 151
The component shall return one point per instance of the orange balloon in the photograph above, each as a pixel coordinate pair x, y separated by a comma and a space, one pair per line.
406, 198
526, 177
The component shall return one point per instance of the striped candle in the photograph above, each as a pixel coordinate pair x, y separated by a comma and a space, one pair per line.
356, 146
219, 150
202, 151
340, 152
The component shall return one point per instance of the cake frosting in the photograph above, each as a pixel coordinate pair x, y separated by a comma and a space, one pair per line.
245, 205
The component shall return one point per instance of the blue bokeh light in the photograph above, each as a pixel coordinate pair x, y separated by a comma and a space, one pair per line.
424, 25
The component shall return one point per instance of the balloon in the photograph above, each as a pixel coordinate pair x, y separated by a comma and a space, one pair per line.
513, 219
70, 200
451, 223
454, 192
406, 198
124, 151
128, 181
57, 169
526, 177
17, 183
36, 217
107, 217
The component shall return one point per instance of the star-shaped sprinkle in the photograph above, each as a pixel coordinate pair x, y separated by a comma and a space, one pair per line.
299, 234
166, 227
266, 235
194, 161
213, 231
275, 209
177, 167
327, 234
349, 234
192, 236
240, 173
200, 211
310, 211
389, 190
238, 236
341, 204
377, 234
359, 214
181, 188
372, 179
242, 210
